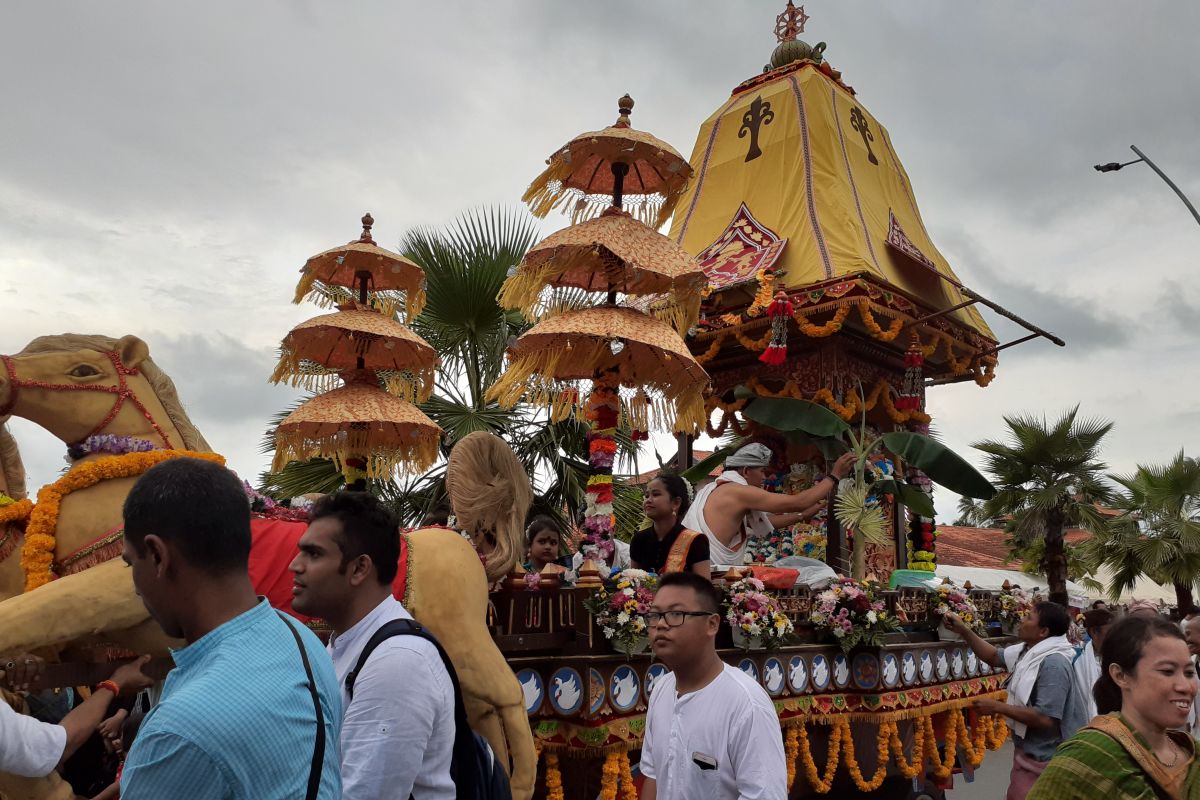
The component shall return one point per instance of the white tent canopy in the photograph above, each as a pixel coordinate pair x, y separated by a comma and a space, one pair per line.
993, 580
1143, 589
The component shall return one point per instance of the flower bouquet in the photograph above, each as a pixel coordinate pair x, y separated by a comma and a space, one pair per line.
951, 599
755, 617
854, 613
1014, 605
620, 606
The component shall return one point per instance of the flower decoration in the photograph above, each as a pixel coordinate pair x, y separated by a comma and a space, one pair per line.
109, 444
620, 606
951, 599
1014, 604
853, 613
603, 410
755, 614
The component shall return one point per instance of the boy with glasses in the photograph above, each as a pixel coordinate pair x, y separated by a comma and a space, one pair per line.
711, 730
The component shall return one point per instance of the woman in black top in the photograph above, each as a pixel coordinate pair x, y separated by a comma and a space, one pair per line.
666, 501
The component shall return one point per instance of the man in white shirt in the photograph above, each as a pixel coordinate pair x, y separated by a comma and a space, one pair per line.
33, 749
735, 508
397, 735
1087, 664
711, 731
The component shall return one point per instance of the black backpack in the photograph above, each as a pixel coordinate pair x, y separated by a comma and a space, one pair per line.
473, 766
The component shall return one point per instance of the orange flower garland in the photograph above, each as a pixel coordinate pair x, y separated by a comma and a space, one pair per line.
628, 787
828, 329
791, 752
37, 556
554, 785
753, 344
14, 510
822, 785
610, 775
868, 319
881, 758
713, 349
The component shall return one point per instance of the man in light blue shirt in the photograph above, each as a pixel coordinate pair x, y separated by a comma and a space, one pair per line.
237, 719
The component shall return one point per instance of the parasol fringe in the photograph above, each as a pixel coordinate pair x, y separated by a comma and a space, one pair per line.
529, 378
549, 191
330, 296
415, 386
382, 461
522, 291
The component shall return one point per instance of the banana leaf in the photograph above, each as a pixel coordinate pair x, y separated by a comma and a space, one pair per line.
911, 496
943, 466
699, 471
787, 414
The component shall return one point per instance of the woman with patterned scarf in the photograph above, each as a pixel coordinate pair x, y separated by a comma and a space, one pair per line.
1133, 751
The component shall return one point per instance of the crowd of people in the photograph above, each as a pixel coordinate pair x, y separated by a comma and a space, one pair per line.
257, 708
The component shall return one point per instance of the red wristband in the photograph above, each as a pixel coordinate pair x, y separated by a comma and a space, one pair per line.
111, 686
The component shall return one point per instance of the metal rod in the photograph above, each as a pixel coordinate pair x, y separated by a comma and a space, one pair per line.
941, 313
1004, 312
1168, 181
1013, 343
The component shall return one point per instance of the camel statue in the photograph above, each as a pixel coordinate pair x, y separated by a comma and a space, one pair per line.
12, 485
79, 386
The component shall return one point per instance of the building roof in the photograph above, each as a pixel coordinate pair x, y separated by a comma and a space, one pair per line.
960, 546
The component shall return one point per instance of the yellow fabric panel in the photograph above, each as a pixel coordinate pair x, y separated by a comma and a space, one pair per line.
814, 183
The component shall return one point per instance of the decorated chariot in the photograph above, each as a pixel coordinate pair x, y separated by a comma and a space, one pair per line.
797, 301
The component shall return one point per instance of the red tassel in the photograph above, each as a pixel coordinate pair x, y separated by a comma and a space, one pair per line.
780, 311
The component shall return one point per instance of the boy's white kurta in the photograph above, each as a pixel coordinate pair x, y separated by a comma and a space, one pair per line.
730, 722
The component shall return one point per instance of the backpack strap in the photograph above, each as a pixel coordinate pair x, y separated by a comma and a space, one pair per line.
677, 557
464, 737
318, 757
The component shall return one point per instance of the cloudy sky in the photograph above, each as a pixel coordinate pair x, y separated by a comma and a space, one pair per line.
166, 168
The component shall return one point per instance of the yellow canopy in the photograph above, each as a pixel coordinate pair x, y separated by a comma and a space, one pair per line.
798, 152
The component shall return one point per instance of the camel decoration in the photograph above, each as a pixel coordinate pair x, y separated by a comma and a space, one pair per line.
12, 486
81, 386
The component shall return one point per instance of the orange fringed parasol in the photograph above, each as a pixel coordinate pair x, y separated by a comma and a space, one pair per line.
356, 419
631, 348
350, 264
355, 337
647, 172
612, 253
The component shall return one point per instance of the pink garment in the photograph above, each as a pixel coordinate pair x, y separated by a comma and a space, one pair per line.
1025, 772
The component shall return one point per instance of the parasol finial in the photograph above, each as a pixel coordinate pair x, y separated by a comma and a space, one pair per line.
367, 222
624, 108
790, 23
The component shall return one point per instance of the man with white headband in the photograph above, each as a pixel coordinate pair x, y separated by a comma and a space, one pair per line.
735, 507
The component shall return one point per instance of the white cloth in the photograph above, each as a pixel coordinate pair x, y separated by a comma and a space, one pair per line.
620, 557
28, 747
756, 524
732, 722
1087, 672
1024, 668
751, 455
398, 731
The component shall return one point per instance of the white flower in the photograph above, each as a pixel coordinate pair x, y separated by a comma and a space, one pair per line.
608, 632
872, 617
622, 618
838, 632
754, 629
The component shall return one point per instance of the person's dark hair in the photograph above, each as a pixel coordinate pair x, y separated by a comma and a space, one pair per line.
1123, 645
368, 529
1097, 618
438, 515
197, 506
1099, 603
543, 523
1053, 617
677, 489
710, 598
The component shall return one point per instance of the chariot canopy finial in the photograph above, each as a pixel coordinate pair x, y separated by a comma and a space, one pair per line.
790, 23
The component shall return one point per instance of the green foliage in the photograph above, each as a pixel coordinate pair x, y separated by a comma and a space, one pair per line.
940, 463
1157, 534
1048, 477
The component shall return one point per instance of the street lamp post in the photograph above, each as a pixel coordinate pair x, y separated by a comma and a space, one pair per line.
1113, 166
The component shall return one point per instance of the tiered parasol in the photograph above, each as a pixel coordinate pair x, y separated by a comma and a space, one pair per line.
629, 362
368, 426
615, 166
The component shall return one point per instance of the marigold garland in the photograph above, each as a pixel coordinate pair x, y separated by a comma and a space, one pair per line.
924, 750
554, 784
868, 320
766, 291
753, 344
628, 787
713, 349
14, 510
37, 556
828, 329
610, 775
791, 752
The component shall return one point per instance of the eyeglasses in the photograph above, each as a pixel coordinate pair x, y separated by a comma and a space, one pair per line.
674, 618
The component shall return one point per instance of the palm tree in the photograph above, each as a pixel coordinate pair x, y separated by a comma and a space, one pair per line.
1157, 534
465, 265
1048, 477
971, 514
